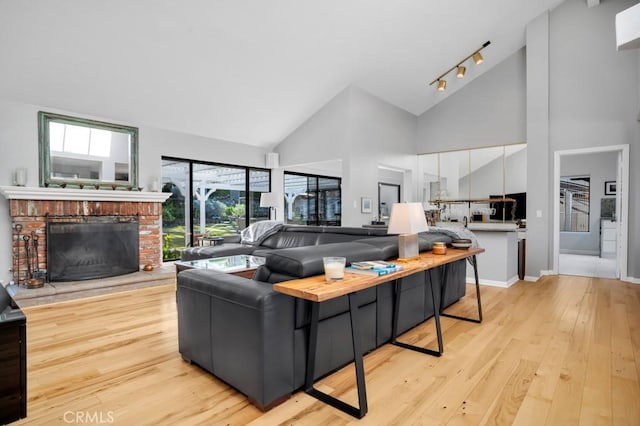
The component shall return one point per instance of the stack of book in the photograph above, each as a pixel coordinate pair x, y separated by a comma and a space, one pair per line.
373, 267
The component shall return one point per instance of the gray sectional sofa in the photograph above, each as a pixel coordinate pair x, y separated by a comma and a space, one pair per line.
255, 339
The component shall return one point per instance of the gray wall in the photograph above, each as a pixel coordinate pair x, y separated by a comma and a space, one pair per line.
581, 93
489, 111
600, 167
364, 132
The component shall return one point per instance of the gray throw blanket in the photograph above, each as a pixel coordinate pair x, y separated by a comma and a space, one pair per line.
257, 232
456, 232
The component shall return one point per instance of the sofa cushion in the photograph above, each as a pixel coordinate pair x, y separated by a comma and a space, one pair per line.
303, 262
389, 244
286, 239
205, 252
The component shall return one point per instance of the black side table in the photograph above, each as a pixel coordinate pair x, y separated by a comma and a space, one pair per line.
13, 360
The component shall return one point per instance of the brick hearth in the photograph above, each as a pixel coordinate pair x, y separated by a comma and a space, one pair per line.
32, 215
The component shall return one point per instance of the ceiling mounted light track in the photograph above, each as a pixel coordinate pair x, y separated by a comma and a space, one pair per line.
460, 69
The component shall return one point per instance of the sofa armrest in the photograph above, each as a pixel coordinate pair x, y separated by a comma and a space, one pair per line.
240, 330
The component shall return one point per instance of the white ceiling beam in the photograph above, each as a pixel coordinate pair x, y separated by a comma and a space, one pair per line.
592, 3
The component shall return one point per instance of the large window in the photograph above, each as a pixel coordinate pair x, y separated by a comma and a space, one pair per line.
208, 200
574, 203
311, 199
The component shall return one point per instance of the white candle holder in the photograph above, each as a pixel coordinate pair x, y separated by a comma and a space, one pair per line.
20, 177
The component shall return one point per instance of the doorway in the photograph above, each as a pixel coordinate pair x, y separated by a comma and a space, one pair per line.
602, 250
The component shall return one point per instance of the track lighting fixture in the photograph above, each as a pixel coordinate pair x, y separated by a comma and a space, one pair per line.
460, 69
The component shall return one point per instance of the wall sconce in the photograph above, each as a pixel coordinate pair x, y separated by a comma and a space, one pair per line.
460, 69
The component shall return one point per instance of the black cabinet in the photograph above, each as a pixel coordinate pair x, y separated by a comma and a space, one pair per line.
13, 361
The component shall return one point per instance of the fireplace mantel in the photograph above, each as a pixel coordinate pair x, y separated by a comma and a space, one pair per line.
71, 194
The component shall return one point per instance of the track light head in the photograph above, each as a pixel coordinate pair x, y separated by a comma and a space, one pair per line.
460, 69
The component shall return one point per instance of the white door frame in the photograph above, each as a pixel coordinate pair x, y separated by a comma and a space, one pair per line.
622, 199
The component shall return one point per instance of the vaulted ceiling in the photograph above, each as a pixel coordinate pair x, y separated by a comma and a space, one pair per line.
248, 71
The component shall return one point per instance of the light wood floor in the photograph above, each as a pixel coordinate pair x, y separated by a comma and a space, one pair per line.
562, 351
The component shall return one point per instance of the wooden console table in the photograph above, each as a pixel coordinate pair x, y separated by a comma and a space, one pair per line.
317, 290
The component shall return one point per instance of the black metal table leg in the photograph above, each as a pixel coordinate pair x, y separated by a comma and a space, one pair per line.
474, 263
436, 315
357, 357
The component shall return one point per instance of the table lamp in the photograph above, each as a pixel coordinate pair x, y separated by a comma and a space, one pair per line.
269, 199
407, 219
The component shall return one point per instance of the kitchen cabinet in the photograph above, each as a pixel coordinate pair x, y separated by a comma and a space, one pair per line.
608, 239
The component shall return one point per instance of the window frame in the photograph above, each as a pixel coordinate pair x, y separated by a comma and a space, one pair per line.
316, 221
247, 185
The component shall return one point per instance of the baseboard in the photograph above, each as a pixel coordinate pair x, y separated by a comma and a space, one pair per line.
492, 283
581, 252
531, 278
632, 280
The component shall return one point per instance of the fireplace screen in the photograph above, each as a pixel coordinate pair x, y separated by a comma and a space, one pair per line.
97, 247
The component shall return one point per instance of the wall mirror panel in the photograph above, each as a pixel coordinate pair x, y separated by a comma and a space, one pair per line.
77, 152
466, 183
388, 195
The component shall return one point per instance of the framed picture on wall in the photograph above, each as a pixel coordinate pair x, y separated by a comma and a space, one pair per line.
365, 205
610, 187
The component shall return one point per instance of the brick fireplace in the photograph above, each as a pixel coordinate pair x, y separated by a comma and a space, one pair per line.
30, 208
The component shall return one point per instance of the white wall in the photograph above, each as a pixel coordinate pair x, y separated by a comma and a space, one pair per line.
489, 111
19, 144
364, 132
581, 92
600, 167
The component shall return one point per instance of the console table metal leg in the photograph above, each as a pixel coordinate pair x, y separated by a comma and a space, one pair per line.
436, 315
474, 263
357, 356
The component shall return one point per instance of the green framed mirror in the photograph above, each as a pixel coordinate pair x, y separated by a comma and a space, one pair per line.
79, 152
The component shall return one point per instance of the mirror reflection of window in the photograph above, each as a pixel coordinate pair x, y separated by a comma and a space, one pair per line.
574, 203
79, 151
388, 194
100, 143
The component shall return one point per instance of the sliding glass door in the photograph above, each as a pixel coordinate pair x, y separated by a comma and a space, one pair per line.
208, 200
176, 214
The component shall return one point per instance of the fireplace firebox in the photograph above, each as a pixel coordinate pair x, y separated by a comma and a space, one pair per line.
92, 247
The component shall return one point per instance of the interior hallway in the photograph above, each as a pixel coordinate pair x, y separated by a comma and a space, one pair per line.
587, 266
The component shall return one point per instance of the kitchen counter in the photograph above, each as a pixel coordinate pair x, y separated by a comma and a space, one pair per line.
498, 265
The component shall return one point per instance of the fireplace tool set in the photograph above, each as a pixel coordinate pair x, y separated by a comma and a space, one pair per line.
34, 276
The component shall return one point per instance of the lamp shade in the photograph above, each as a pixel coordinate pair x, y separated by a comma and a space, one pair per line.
407, 218
268, 199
